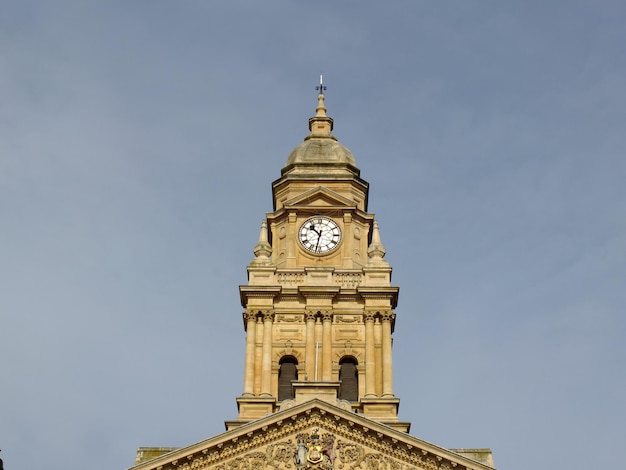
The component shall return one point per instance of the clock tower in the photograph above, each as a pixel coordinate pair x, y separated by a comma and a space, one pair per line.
318, 306
319, 318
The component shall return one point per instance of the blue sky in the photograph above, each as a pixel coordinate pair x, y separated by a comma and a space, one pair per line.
138, 142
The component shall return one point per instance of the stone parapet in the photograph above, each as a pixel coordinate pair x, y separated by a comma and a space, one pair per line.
324, 276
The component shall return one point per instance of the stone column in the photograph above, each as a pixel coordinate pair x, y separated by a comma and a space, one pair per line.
248, 380
318, 344
292, 237
327, 346
370, 355
310, 345
258, 355
378, 357
347, 240
266, 373
361, 378
387, 318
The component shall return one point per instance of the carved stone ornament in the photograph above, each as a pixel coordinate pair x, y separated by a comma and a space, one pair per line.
288, 318
387, 316
347, 318
312, 439
315, 450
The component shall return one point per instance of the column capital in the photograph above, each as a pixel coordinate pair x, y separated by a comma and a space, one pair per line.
387, 315
258, 311
250, 315
370, 315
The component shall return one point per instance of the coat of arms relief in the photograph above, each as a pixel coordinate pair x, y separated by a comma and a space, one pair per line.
315, 450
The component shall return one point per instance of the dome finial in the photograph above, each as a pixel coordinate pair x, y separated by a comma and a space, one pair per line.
320, 125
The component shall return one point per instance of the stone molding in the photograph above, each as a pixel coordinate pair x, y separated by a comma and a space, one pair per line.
288, 350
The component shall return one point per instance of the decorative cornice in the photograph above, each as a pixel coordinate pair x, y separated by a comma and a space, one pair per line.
319, 292
257, 292
260, 291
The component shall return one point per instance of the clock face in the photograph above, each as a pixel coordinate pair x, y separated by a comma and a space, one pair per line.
319, 235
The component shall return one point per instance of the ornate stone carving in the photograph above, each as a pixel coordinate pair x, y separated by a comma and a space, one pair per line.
344, 405
256, 311
290, 278
288, 318
313, 440
350, 453
281, 453
348, 280
249, 315
315, 450
197, 463
387, 315
347, 318
286, 404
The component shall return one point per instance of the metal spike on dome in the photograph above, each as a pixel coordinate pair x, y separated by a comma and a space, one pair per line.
320, 111
321, 87
320, 125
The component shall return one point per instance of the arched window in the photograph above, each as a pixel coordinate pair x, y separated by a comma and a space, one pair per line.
288, 371
349, 378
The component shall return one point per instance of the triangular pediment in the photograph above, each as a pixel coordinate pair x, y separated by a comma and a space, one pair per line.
313, 435
319, 196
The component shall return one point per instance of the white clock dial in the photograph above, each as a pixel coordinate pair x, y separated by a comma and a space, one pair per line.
319, 235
